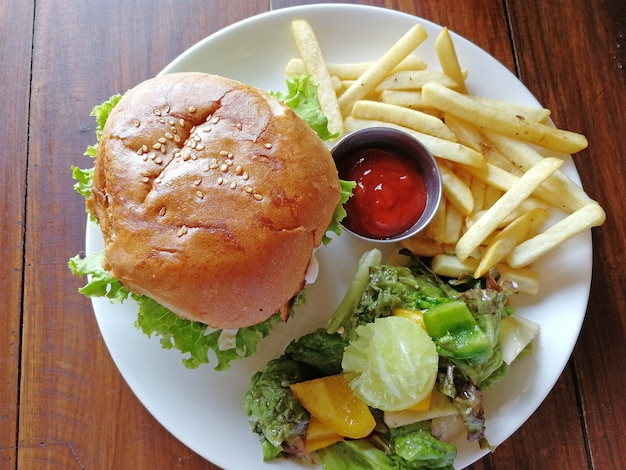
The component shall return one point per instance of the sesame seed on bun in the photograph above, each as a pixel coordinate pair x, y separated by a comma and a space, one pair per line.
211, 196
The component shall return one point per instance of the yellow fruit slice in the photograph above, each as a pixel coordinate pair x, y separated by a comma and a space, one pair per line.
414, 315
423, 405
440, 406
318, 435
332, 401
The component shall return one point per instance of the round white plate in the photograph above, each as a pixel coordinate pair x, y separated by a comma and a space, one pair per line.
202, 407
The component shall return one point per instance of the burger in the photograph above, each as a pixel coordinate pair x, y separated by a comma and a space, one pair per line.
211, 196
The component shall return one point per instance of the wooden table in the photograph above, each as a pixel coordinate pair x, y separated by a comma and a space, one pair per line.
63, 403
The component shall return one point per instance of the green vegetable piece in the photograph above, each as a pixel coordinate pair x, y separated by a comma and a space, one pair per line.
447, 318
464, 344
353, 295
455, 331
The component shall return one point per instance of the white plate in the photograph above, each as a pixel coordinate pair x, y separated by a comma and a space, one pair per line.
202, 407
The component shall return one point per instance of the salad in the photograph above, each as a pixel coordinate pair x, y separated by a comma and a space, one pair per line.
398, 370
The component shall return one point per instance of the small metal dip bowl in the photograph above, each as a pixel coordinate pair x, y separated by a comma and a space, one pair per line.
404, 146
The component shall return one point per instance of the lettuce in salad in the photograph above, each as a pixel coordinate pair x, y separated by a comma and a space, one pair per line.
410, 447
376, 290
195, 340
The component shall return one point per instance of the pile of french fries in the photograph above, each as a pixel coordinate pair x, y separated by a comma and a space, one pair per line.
499, 161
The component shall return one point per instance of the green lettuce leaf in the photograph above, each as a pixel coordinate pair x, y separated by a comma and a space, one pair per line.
410, 447
191, 338
488, 306
301, 97
84, 179
413, 287
101, 283
102, 111
340, 211
320, 350
415, 448
273, 411
355, 455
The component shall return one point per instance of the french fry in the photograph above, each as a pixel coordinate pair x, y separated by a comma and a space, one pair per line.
507, 239
567, 194
527, 205
311, 53
531, 250
455, 189
352, 71
465, 133
529, 113
405, 98
499, 161
489, 221
381, 68
469, 135
435, 230
494, 177
442, 148
296, 66
477, 188
413, 119
337, 85
346, 84
446, 53
526, 280
448, 265
423, 245
492, 194
497, 158
414, 80
505, 123
499, 180
453, 225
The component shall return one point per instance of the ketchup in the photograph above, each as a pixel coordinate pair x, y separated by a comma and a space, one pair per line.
390, 194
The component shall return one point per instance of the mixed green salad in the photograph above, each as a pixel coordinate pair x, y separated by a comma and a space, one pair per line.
405, 355
193, 339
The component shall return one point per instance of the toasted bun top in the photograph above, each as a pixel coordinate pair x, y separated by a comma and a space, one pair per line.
211, 196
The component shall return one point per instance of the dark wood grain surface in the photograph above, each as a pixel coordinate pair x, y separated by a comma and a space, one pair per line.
63, 404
